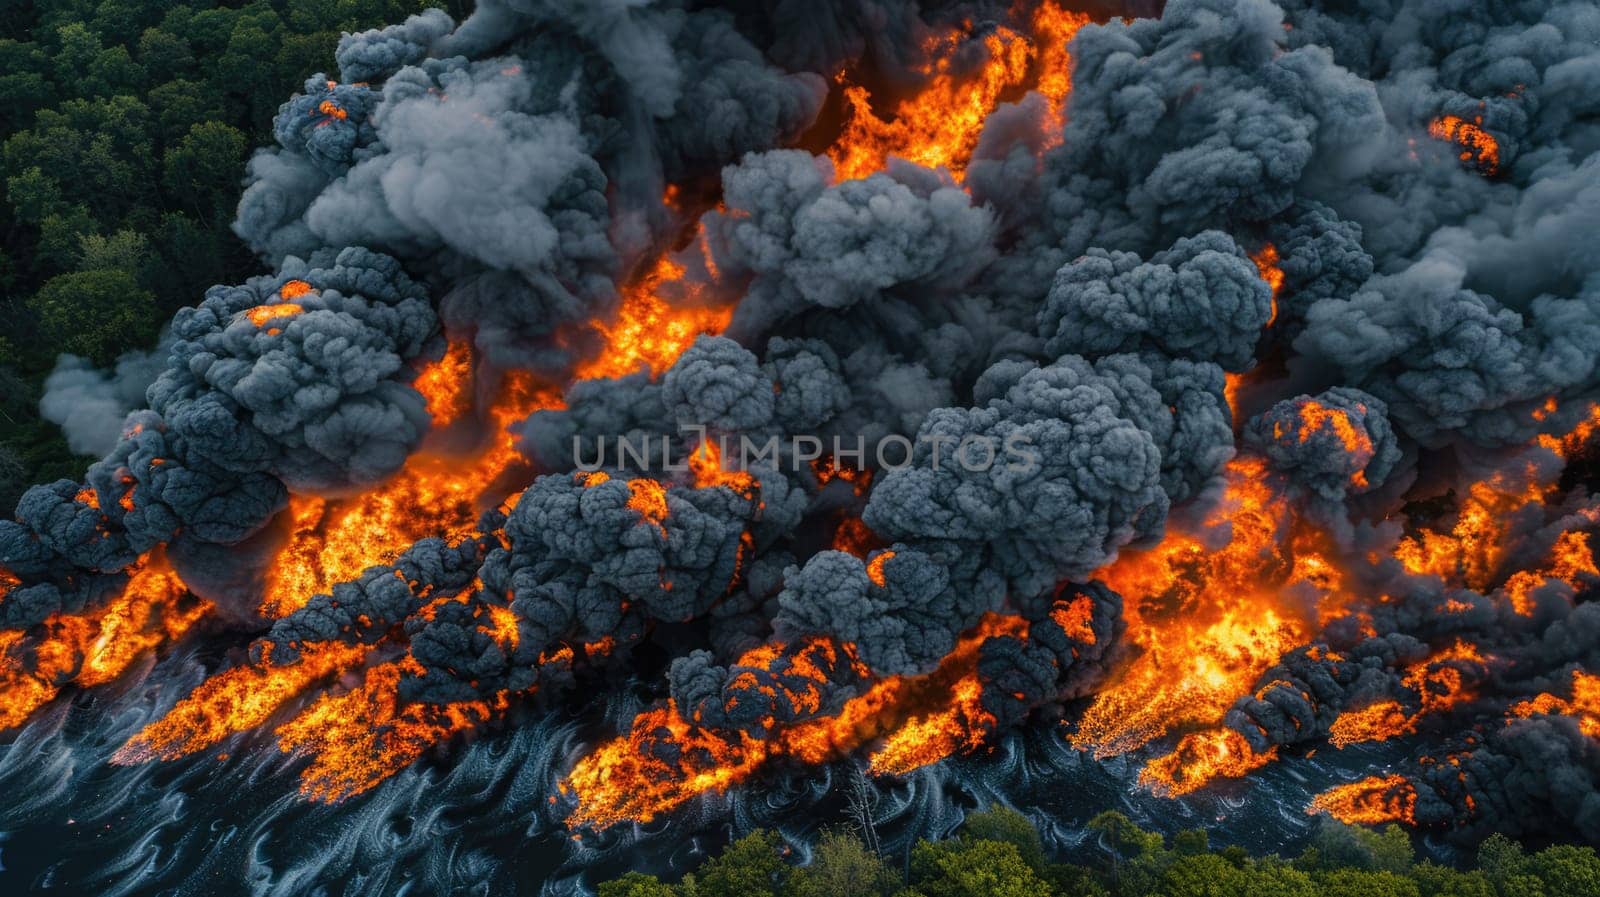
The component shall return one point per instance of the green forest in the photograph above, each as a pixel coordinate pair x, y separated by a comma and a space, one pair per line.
124, 130
998, 853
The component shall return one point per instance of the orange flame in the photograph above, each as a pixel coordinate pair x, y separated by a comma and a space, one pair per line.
334, 540
1206, 621
1200, 758
96, 646
357, 739
1438, 684
447, 384
1584, 705
1267, 263
1315, 417
665, 761
261, 314
648, 333
1477, 145
235, 700
940, 125
1371, 801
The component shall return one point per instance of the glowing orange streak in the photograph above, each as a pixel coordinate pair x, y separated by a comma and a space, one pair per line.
1371, 801
925, 719
1267, 263
233, 701
95, 647
261, 314
875, 567
357, 739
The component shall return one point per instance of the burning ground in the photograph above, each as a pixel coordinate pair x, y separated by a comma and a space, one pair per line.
1295, 305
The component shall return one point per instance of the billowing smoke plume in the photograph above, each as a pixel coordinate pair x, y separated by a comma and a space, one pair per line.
1219, 406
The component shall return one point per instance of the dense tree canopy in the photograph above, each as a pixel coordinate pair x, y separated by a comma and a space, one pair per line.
124, 129
998, 853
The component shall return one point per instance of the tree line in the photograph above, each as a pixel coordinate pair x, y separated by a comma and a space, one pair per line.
999, 853
124, 130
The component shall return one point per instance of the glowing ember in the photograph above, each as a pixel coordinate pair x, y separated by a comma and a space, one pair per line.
1371, 801
875, 567
1478, 147
261, 314
1267, 262
940, 125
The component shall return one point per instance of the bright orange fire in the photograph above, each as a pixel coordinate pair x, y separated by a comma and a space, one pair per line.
447, 384
1438, 684
1267, 263
1200, 758
261, 314
236, 700
1315, 417
924, 719
1571, 561
1584, 705
648, 333
1371, 801
361, 737
334, 540
1473, 551
940, 125
96, 646
1205, 619
1478, 146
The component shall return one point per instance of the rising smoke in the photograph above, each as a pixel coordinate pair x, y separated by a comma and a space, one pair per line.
1296, 306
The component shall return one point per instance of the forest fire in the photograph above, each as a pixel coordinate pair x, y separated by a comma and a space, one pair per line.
1295, 478
435, 494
